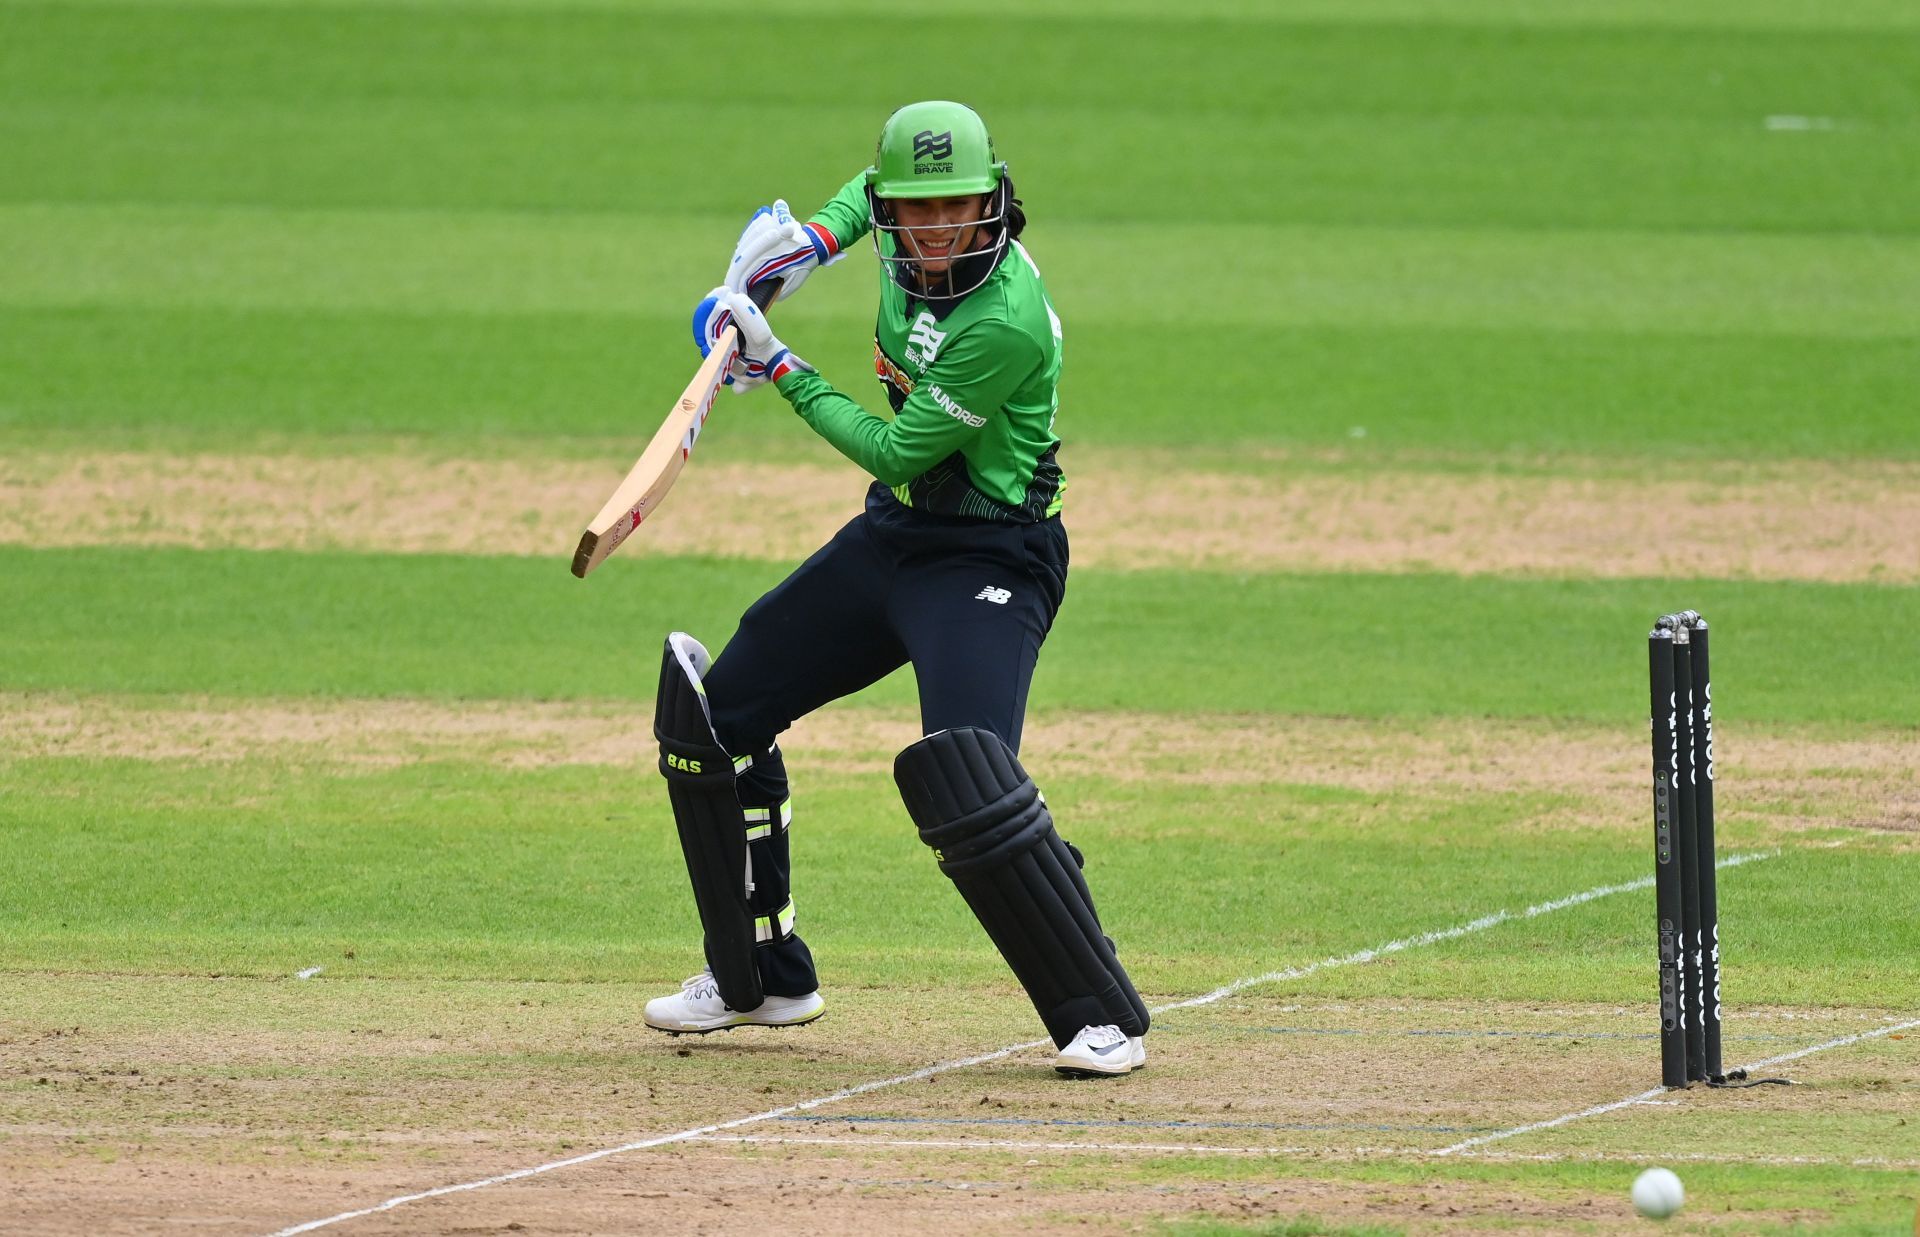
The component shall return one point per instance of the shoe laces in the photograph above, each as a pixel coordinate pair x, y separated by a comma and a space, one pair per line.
1101, 1036
694, 987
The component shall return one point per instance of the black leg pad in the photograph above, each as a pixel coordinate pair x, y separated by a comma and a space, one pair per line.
992, 833
713, 829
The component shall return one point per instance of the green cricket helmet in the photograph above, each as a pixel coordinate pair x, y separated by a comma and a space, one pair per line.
940, 149
934, 150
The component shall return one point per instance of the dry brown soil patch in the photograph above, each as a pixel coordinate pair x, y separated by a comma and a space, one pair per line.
1772, 776
1803, 520
713, 1190
231, 1120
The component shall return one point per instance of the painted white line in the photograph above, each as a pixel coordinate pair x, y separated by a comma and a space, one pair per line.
1595, 1111
309, 973
1444, 934
1006, 1144
1842, 1042
1701, 1157
664, 1139
1647, 1096
854, 1142
1353, 959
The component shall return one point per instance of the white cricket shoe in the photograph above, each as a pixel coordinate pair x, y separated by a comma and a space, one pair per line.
1101, 1052
697, 1009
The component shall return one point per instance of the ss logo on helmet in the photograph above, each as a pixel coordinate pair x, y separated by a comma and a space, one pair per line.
930, 145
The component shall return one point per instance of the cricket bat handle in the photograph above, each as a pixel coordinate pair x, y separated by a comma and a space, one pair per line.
760, 294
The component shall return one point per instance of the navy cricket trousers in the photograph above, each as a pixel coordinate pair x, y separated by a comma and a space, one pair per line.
967, 602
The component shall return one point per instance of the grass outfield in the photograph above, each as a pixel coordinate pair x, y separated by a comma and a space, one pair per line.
421, 625
1494, 220
357, 105
1439, 243
224, 377
449, 870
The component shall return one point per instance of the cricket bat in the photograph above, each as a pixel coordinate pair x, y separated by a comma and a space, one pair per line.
646, 486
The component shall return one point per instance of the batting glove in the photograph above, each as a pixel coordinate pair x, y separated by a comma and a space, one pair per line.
763, 358
711, 317
775, 246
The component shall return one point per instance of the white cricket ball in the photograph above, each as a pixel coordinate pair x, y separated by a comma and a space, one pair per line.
1657, 1193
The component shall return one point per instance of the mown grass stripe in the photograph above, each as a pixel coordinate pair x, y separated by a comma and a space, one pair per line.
244, 623
1820, 173
1257, 68
349, 379
1703, 15
56, 256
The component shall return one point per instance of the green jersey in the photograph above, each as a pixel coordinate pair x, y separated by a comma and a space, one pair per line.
974, 387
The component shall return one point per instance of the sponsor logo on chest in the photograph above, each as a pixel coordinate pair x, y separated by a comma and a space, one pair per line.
923, 341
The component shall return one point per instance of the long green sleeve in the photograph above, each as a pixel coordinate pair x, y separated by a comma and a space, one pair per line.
845, 214
980, 369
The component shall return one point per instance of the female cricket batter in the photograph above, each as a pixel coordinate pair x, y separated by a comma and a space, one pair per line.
957, 565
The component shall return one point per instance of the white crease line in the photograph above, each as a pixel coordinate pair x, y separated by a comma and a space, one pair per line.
1445, 934
1842, 1042
1239, 985
1004, 1144
1646, 1096
1702, 1157
1595, 1111
1331, 1151
663, 1140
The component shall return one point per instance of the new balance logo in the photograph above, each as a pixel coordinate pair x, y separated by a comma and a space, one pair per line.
923, 342
998, 596
930, 145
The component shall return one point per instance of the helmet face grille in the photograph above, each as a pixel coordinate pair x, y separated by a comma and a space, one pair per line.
966, 272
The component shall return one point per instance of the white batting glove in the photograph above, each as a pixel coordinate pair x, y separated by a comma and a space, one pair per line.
776, 246
763, 358
711, 317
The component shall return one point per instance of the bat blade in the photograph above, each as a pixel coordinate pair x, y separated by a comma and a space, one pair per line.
646, 486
